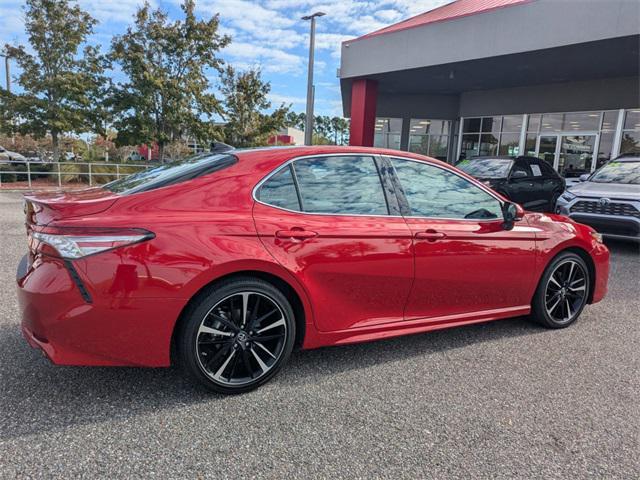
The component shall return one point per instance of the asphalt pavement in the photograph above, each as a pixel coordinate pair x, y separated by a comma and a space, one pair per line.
506, 399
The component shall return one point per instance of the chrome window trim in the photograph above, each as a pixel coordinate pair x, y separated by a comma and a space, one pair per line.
380, 157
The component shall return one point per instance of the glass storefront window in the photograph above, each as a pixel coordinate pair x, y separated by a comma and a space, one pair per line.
631, 133
610, 120
509, 143
429, 137
586, 121
488, 145
551, 122
632, 120
530, 144
491, 124
471, 125
512, 123
630, 142
470, 145
605, 147
387, 133
534, 123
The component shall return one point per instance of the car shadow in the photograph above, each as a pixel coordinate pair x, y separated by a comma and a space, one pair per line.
39, 397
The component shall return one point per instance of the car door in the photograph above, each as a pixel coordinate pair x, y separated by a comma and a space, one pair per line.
465, 262
521, 185
553, 185
327, 219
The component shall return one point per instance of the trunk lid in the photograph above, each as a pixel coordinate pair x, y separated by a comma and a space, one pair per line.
41, 208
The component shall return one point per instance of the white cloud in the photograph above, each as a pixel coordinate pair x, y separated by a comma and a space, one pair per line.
277, 99
268, 59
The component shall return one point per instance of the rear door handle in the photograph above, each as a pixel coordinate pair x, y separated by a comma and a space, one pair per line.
297, 233
430, 235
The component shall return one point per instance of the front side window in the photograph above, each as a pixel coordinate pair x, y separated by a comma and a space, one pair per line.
438, 193
347, 185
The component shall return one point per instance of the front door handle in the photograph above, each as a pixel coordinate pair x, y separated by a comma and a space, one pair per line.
430, 235
297, 233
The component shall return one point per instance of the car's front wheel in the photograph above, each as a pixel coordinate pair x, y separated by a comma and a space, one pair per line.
236, 335
562, 292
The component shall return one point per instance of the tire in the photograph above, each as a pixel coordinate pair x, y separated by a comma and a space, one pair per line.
562, 293
224, 355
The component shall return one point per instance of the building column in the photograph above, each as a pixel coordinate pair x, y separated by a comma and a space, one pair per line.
364, 95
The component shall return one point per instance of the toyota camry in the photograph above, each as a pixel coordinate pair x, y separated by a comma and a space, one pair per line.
223, 263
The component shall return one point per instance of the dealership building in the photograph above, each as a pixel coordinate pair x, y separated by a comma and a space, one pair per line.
558, 79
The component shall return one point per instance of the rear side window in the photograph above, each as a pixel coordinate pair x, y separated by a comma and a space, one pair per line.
547, 170
172, 173
280, 191
348, 185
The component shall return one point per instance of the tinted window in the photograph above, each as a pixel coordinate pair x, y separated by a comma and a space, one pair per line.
547, 169
486, 167
170, 173
346, 185
438, 193
521, 167
280, 191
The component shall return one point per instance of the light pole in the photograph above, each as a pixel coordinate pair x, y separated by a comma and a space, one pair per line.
8, 78
308, 124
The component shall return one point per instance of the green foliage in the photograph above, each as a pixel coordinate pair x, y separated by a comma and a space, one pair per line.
166, 94
245, 99
326, 130
60, 87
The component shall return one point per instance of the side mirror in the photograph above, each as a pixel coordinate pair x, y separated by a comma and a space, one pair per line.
511, 212
518, 174
584, 177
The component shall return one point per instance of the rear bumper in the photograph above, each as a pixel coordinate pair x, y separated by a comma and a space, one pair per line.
117, 331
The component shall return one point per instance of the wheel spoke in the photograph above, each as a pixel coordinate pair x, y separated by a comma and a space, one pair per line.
223, 350
569, 314
245, 307
213, 331
263, 365
573, 266
220, 371
273, 325
554, 306
265, 349
577, 289
552, 279
225, 322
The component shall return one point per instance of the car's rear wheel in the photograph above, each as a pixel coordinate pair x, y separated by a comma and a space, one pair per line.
236, 335
562, 292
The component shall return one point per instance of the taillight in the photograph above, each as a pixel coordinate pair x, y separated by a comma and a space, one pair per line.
74, 243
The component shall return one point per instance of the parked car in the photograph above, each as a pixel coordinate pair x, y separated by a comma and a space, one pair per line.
6, 155
224, 262
608, 199
529, 181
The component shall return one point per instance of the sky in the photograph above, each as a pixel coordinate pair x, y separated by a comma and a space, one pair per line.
268, 34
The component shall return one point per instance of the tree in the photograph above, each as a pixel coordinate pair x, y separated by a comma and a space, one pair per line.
166, 95
245, 100
295, 120
59, 87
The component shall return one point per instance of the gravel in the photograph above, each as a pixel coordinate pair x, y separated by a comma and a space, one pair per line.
501, 400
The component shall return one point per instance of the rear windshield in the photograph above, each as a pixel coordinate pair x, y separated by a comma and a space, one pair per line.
618, 172
170, 173
486, 167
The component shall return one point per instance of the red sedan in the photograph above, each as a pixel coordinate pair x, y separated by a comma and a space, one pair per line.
225, 262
